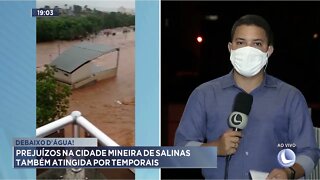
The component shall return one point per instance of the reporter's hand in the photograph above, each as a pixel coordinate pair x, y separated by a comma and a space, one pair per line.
278, 174
227, 143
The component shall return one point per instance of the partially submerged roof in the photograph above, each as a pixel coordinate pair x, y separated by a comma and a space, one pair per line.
80, 54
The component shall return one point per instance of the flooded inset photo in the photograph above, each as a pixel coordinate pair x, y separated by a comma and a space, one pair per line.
85, 67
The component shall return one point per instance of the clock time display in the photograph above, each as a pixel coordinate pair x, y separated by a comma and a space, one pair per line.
44, 12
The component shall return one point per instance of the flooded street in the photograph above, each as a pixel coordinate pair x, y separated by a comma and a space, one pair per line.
108, 104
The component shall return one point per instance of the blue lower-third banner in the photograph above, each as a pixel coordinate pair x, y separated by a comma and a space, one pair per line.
115, 157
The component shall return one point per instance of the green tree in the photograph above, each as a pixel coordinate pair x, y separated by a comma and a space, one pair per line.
52, 97
74, 27
77, 9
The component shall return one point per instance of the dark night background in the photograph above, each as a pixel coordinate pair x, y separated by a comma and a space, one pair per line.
185, 64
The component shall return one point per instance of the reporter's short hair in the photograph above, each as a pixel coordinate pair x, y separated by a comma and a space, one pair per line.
256, 20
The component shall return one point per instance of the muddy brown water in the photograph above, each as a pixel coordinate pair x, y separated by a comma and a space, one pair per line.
108, 104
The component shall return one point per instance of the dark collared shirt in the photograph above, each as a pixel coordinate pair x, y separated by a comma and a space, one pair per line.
279, 116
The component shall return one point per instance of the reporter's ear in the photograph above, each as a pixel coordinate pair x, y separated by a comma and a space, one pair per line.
270, 50
229, 46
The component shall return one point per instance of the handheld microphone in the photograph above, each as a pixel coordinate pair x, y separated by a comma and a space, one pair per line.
238, 119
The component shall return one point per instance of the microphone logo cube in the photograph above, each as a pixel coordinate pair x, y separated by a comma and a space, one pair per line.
238, 120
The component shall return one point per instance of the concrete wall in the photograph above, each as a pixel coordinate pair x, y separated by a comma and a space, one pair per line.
82, 73
63, 76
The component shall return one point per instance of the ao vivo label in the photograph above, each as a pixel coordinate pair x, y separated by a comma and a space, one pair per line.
287, 145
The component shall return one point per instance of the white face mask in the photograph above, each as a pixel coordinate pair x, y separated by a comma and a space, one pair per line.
248, 61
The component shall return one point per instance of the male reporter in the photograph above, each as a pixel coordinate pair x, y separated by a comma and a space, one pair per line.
279, 113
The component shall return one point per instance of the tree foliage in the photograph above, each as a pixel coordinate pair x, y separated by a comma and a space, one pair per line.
74, 27
77, 9
52, 97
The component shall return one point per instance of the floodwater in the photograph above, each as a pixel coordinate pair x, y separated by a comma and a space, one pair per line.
108, 104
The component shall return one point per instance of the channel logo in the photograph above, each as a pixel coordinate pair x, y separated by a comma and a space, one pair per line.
236, 119
286, 158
